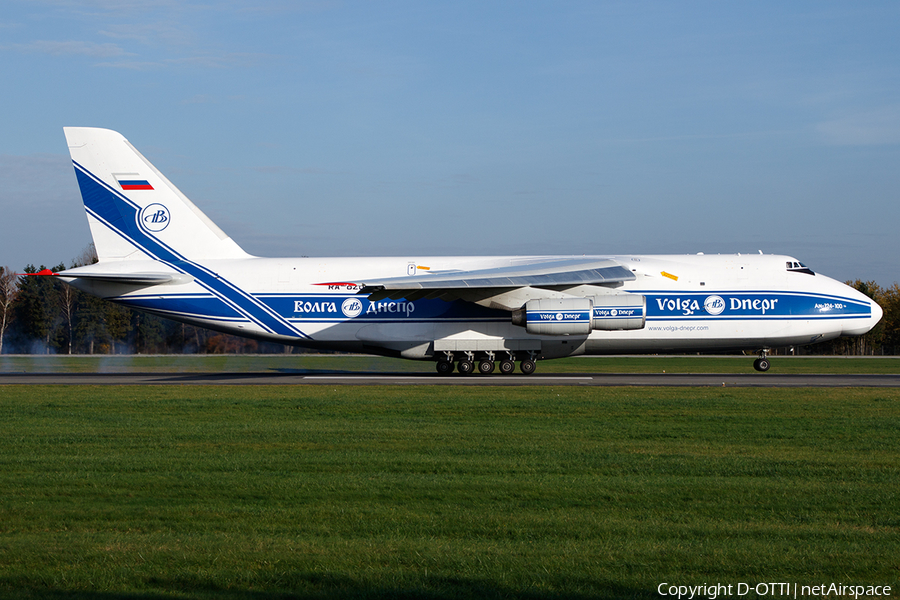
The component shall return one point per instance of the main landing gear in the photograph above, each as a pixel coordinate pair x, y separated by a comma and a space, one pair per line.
762, 363
444, 367
466, 364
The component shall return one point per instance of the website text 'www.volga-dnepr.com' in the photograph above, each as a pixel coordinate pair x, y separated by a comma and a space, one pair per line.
679, 328
772, 590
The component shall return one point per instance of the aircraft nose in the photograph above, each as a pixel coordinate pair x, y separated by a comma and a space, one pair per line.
877, 313
864, 326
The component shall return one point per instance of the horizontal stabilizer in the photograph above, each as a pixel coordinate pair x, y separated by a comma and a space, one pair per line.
130, 278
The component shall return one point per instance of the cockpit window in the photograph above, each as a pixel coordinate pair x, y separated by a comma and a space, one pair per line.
798, 267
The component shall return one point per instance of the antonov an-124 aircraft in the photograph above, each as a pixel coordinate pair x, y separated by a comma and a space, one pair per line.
160, 254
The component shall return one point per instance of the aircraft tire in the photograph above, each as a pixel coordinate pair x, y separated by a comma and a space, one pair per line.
444, 367
507, 366
527, 366
761, 364
485, 367
465, 367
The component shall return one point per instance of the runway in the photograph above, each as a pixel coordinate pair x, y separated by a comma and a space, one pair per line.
761, 380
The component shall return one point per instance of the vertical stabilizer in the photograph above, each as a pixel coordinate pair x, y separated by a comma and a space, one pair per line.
135, 212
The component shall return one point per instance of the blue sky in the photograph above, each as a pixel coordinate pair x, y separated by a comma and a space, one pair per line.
414, 128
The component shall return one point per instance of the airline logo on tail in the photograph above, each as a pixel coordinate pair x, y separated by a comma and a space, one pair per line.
154, 218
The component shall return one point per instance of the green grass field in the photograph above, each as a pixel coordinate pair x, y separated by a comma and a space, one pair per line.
345, 363
442, 492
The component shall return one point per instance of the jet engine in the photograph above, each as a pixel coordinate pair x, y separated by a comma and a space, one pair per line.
579, 316
619, 311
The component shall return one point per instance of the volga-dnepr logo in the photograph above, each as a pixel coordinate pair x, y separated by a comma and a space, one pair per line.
714, 305
351, 307
154, 218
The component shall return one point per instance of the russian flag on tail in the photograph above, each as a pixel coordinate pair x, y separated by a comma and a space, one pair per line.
133, 181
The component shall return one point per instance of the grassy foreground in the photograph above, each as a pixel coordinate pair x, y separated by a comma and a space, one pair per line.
442, 492
200, 363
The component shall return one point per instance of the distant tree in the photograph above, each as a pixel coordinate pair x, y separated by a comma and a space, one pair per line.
66, 300
222, 343
118, 325
90, 324
59, 304
193, 339
69, 299
9, 289
88, 256
890, 322
35, 307
148, 333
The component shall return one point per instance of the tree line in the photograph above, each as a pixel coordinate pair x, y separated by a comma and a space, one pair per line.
42, 315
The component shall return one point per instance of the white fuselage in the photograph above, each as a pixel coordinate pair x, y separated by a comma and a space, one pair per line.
693, 302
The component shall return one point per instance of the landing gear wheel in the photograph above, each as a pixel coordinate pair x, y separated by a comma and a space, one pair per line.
444, 367
465, 367
761, 364
527, 367
486, 367
507, 366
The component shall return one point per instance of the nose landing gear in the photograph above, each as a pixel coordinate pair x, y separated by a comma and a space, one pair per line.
761, 364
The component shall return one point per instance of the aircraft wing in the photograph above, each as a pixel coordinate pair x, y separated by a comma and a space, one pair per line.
539, 273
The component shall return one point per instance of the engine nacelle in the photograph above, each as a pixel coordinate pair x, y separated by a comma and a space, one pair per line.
619, 311
555, 316
579, 316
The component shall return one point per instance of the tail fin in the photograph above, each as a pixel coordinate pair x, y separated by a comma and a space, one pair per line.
135, 212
